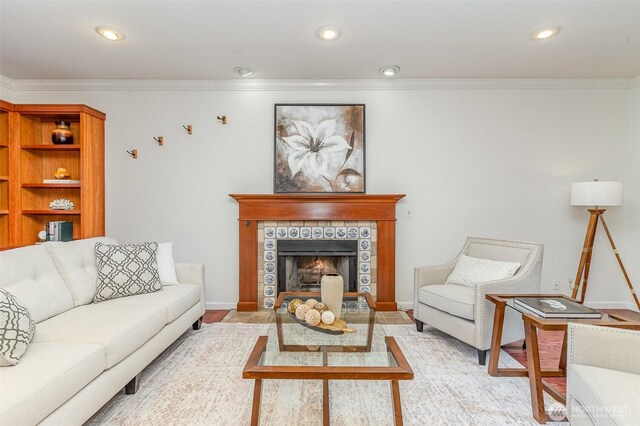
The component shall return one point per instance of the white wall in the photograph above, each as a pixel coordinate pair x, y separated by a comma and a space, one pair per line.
495, 162
629, 247
5, 90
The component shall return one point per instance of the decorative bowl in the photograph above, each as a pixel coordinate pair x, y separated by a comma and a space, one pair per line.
338, 326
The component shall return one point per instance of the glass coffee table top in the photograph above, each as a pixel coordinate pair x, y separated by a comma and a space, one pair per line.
293, 344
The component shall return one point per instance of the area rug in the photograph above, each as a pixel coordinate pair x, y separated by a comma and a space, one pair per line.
198, 381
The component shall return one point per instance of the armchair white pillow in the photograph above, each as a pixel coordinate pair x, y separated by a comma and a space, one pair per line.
470, 271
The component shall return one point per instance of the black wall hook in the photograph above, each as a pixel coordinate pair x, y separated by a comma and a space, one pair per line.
188, 128
159, 139
222, 118
133, 153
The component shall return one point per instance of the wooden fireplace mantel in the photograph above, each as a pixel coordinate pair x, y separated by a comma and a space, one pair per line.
272, 207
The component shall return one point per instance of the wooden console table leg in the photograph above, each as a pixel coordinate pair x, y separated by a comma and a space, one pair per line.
397, 405
535, 375
257, 396
562, 364
496, 338
325, 403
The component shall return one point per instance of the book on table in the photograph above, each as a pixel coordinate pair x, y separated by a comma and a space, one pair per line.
556, 307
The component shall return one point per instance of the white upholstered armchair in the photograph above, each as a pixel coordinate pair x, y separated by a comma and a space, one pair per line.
603, 376
462, 311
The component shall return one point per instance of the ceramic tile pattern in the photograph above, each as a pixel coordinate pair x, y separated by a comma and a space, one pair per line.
270, 232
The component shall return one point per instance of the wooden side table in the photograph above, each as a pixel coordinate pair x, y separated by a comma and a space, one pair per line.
533, 323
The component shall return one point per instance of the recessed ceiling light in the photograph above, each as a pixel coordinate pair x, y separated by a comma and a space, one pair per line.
390, 70
244, 71
110, 33
545, 32
329, 33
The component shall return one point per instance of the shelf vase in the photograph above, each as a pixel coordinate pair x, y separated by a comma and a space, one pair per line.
331, 292
62, 135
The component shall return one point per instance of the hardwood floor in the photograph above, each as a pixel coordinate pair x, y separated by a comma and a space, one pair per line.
214, 316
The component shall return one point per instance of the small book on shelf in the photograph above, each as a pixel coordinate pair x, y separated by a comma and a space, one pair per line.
59, 231
60, 181
556, 307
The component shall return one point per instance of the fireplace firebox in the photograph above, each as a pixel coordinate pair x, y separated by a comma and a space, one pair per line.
302, 263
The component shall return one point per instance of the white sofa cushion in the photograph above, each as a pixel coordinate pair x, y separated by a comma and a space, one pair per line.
605, 396
176, 298
16, 329
121, 329
471, 271
166, 264
31, 276
456, 300
126, 270
47, 376
76, 261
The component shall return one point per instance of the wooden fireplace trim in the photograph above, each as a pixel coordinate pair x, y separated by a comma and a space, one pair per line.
290, 207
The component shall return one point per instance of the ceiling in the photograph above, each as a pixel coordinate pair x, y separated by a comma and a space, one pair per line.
427, 39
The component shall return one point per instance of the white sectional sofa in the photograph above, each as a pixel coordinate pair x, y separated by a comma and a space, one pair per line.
83, 353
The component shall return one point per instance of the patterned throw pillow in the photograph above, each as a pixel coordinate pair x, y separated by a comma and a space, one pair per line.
16, 329
126, 270
471, 270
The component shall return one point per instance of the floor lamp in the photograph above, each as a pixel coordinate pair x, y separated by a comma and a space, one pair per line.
597, 194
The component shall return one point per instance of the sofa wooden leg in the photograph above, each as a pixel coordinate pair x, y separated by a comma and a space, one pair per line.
419, 325
132, 387
196, 325
482, 356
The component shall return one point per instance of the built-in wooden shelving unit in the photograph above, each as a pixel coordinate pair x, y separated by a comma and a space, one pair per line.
27, 157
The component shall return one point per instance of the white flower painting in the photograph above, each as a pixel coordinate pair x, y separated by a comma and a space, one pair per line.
319, 148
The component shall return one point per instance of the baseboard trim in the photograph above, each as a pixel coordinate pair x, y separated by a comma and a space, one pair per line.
219, 305
405, 306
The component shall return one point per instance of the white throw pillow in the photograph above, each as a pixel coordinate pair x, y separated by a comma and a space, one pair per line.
470, 271
16, 329
166, 265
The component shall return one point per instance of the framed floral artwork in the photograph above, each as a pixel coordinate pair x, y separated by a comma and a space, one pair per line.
319, 148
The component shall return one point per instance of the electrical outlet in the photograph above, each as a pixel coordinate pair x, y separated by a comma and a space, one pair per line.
409, 213
556, 285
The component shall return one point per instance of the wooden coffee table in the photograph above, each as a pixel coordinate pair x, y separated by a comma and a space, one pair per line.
293, 352
533, 323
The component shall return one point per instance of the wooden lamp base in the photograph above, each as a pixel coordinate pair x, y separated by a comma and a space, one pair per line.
587, 250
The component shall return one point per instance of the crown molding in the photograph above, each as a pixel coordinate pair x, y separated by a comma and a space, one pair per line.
319, 85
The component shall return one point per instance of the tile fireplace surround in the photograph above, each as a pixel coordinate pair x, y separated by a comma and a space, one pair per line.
290, 216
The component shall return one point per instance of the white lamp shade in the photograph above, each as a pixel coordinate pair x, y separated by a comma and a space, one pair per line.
596, 193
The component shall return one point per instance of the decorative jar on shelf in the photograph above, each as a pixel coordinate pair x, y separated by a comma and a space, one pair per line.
62, 135
331, 292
